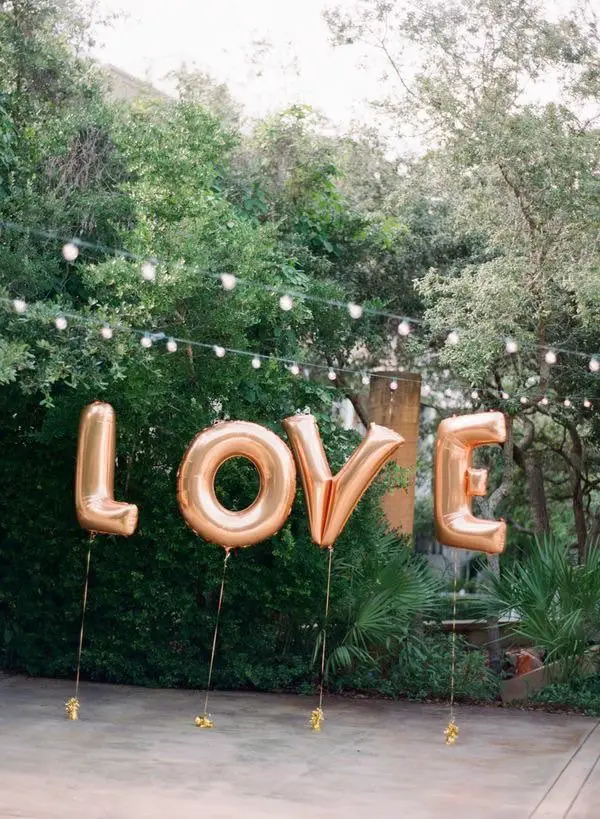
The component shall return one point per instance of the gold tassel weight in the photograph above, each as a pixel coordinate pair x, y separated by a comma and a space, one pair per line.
72, 708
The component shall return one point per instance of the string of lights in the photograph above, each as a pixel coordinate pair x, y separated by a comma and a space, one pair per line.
71, 248
153, 338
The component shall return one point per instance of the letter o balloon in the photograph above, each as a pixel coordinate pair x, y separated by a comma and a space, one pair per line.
207, 453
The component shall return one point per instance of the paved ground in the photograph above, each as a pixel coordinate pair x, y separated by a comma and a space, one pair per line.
135, 754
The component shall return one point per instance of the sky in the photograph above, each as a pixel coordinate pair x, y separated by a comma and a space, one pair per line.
154, 37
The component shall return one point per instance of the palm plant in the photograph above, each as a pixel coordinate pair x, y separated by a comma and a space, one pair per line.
383, 591
556, 600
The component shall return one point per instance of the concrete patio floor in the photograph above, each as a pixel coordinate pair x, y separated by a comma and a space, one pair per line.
135, 754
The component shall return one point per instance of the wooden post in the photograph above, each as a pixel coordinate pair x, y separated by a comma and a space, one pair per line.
399, 410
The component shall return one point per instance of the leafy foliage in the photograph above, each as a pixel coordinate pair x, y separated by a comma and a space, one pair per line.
557, 600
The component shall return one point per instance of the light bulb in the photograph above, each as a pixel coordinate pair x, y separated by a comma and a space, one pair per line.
331, 375
366, 380
511, 346
19, 305
544, 401
505, 396
475, 395
295, 369
228, 281
523, 399
394, 385
148, 272
219, 351
594, 365
256, 362
355, 310
404, 328
550, 357
146, 341
70, 251
106, 333
306, 373
453, 338
567, 403
286, 303
172, 345
587, 403
60, 323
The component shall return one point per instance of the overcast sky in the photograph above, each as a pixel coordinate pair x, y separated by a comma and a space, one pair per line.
157, 36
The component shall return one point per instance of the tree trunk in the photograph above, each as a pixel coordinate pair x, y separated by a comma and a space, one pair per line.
576, 461
493, 629
536, 492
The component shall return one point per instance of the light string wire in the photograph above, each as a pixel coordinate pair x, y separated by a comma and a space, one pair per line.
404, 320
42, 312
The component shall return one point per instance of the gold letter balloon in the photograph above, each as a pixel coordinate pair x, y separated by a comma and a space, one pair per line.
331, 500
456, 482
196, 484
96, 508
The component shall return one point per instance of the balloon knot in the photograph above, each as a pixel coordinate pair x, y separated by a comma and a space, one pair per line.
316, 718
72, 708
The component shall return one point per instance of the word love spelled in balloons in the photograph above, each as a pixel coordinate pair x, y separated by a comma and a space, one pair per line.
330, 499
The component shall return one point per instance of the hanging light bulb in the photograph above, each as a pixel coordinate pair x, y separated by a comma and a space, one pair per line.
219, 351
331, 375
567, 403
453, 338
286, 303
523, 399
394, 385
355, 310
587, 403
544, 401
172, 345
505, 396
60, 323
404, 328
295, 369
148, 272
146, 341
19, 305
256, 362
594, 364
106, 333
511, 346
306, 373
228, 281
70, 251
475, 395
366, 379
550, 357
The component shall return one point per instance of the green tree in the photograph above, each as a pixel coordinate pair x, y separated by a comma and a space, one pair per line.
521, 171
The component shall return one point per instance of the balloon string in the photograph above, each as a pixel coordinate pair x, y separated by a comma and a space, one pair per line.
325, 629
453, 670
214, 643
451, 732
83, 608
